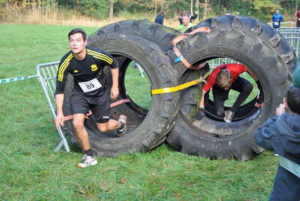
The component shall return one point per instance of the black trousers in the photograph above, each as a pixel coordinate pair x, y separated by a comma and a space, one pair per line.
220, 95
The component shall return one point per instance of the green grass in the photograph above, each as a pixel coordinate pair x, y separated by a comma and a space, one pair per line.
138, 86
31, 170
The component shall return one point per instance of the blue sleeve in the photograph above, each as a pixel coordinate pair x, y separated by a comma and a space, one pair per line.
265, 134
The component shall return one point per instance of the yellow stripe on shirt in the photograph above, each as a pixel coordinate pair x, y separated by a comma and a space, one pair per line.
63, 67
100, 56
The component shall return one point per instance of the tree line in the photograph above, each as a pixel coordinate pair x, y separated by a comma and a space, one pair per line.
101, 9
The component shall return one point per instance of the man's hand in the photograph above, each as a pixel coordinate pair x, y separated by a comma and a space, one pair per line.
200, 114
114, 93
260, 97
59, 121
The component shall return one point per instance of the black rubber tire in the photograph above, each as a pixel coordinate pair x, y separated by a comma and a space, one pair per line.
260, 48
156, 33
147, 129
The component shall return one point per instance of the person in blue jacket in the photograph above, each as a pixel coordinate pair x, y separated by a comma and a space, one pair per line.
281, 133
277, 19
160, 18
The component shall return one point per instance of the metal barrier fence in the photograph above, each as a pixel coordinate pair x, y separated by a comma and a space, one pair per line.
292, 36
46, 74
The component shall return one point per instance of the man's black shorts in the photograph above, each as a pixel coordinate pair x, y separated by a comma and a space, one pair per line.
99, 105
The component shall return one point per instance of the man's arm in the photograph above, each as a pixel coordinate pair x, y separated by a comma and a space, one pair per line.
260, 97
115, 83
59, 100
211, 80
198, 67
114, 69
201, 104
60, 86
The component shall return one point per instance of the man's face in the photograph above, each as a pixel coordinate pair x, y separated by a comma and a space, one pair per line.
277, 11
185, 20
77, 44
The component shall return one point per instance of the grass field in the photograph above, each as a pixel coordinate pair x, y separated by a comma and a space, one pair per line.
31, 170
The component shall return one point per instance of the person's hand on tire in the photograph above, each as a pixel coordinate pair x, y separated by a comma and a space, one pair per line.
200, 114
260, 97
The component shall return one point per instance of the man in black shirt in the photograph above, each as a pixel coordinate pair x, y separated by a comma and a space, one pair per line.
90, 93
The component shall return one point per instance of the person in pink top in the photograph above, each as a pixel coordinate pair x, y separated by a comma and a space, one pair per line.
298, 18
222, 79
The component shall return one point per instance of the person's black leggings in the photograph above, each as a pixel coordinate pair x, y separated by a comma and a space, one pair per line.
220, 95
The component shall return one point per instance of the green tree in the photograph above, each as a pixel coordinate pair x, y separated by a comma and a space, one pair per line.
94, 8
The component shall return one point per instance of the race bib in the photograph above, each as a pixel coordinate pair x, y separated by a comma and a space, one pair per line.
276, 23
89, 86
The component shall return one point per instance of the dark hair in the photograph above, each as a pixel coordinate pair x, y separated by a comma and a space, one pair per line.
75, 31
293, 99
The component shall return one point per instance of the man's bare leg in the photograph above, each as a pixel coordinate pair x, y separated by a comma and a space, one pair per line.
81, 133
83, 138
111, 125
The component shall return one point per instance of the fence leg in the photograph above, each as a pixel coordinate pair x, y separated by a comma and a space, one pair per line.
63, 142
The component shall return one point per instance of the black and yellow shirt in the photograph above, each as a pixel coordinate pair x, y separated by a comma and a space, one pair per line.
84, 70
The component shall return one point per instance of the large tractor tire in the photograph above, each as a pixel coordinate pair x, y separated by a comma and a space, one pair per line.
153, 32
146, 128
260, 48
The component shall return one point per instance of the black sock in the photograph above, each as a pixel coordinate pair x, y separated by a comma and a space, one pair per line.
88, 152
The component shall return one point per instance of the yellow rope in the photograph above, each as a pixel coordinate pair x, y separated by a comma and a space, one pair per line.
180, 87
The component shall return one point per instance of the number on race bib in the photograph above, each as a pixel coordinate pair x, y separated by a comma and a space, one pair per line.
89, 86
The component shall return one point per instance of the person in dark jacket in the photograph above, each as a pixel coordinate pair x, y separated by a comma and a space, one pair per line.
281, 133
160, 18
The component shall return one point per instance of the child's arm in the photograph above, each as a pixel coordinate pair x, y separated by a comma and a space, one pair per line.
265, 133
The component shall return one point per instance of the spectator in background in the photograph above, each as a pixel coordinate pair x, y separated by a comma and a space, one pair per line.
160, 18
185, 23
277, 19
183, 13
281, 133
298, 18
